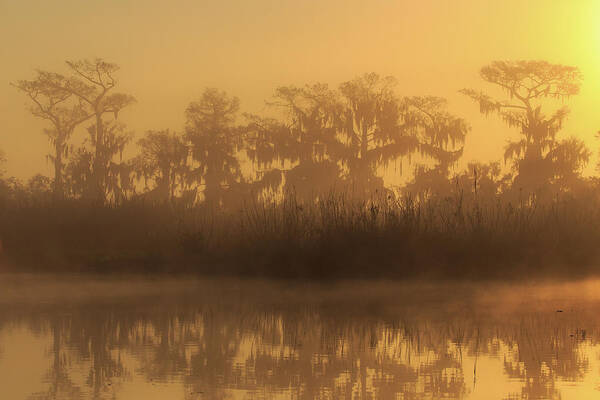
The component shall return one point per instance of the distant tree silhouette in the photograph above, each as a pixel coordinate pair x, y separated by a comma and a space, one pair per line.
38, 191
268, 144
484, 180
439, 134
311, 147
93, 83
163, 160
345, 137
328, 139
82, 170
569, 157
539, 159
373, 129
68, 101
39, 188
215, 142
54, 101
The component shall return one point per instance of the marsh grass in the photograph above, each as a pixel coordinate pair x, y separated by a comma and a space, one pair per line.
338, 236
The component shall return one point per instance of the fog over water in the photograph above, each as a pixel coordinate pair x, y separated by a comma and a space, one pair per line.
193, 339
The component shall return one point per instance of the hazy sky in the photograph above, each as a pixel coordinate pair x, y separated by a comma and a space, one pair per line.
169, 51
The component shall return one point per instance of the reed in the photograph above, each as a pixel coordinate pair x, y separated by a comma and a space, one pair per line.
338, 236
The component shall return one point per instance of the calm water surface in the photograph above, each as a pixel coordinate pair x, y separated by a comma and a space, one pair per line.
133, 338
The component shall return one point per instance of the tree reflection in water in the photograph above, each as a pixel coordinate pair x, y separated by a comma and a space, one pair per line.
384, 345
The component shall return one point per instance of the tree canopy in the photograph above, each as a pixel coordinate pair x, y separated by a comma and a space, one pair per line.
539, 155
321, 138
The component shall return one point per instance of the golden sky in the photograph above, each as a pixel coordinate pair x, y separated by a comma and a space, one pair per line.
170, 51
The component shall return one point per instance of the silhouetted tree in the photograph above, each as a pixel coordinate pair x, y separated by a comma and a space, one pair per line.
117, 181
54, 101
40, 190
439, 134
485, 180
215, 142
94, 83
268, 145
538, 158
373, 129
569, 157
310, 147
164, 161
14, 192
79, 173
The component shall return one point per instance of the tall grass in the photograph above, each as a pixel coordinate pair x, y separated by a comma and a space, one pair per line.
337, 236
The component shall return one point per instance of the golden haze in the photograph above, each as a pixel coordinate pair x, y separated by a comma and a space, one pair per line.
169, 52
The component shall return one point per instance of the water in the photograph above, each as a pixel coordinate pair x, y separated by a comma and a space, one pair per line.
74, 338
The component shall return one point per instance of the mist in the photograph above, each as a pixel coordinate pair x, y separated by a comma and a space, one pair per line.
299, 200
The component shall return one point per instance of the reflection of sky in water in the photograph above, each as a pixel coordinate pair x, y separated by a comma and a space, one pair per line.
243, 347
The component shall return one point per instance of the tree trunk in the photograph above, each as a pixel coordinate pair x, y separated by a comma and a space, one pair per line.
363, 162
59, 191
212, 188
99, 164
364, 143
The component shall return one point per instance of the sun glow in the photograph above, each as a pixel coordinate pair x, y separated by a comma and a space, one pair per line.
433, 48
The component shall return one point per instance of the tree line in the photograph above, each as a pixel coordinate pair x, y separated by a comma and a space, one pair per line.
324, 139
